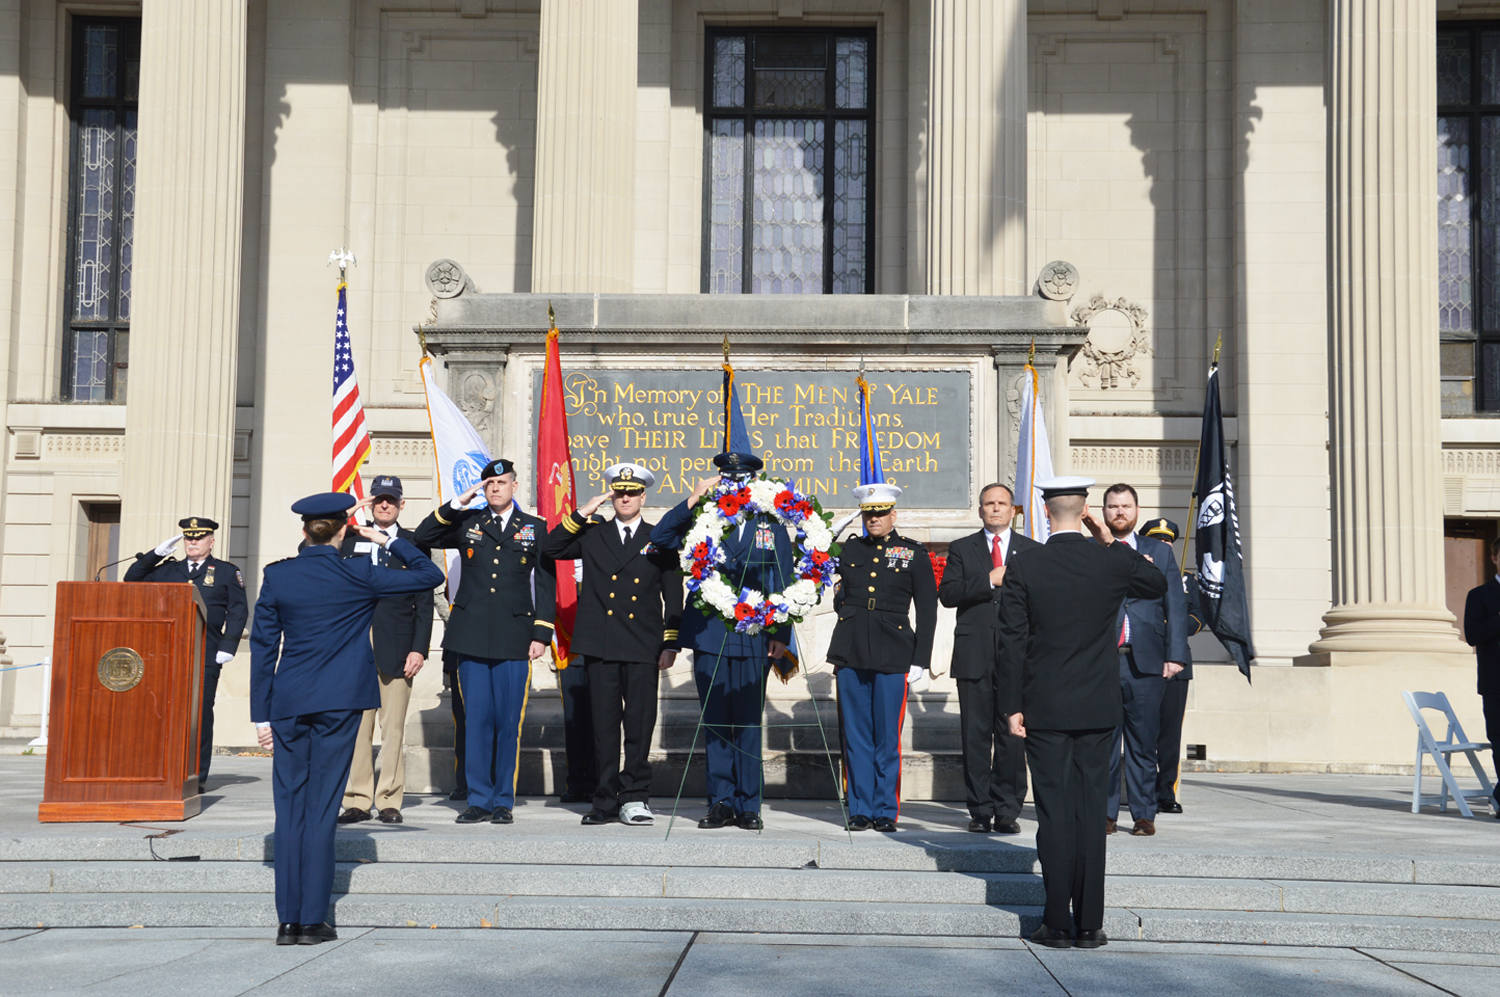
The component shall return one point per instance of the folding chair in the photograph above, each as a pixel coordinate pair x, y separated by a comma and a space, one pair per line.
1441, 751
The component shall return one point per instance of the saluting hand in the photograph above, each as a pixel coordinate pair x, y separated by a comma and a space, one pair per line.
462, 502
704, 487
369, 533
593, 504
1099, 530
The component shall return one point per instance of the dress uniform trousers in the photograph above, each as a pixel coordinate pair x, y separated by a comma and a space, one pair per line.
1142, 700
731, 690
456, 703
308, 771
623, 694
1068, 787
494, 695
578, 727
994, 761
1169, 740
211, 675
872, 710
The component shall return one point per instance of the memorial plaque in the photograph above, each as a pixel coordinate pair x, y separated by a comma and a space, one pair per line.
803, 424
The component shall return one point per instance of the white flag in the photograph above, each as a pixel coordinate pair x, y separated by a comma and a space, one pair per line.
1033, 459
461, 453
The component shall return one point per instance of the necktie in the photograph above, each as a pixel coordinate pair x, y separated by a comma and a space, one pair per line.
383, 558
997, 558
192, 569
627, 534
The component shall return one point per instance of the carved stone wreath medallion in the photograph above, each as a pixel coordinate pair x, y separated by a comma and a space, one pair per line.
1058, 281
1118, 338
446, 279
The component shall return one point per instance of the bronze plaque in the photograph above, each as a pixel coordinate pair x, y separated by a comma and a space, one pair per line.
120, 669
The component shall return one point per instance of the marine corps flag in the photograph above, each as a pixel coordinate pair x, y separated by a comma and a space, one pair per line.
1221, 575
554, 488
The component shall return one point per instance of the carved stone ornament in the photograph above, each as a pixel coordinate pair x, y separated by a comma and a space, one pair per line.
476, 398
1118, 337
120, 669
1058, 281
446, 279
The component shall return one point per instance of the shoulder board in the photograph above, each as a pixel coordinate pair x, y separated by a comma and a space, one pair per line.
281, 561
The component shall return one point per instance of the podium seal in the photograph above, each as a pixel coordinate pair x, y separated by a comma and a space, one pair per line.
120, 669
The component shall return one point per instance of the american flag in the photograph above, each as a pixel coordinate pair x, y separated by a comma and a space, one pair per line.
351, 440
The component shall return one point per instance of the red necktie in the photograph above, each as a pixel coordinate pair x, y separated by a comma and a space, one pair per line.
996, 557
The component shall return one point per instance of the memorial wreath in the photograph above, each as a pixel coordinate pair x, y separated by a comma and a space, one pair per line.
733, 502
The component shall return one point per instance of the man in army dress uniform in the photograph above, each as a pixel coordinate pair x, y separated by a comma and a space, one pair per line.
223, 590
497, 628
876, 653
629, 611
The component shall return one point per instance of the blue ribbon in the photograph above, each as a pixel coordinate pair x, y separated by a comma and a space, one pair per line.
16, 668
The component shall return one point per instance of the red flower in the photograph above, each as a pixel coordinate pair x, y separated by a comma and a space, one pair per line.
805, 508
743, 611
819, 557
729, 505
700, 552
939, 563
698, 570
785, 499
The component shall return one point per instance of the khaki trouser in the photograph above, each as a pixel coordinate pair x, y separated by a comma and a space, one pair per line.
395, 694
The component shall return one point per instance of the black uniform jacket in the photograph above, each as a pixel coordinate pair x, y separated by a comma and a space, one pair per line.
1159, 627
403, 623
630, 605
966, 587
494, 613
1482, 631
219, 583
1059, 649
879, 580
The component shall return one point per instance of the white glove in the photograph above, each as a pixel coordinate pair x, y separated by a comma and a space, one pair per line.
916, 679
167, 546
223, 658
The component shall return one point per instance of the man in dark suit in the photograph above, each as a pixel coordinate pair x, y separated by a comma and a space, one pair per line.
994, 761
501, 621
1482, 631
401, 634
1153, 637
1059, 676
223, 590
629, 614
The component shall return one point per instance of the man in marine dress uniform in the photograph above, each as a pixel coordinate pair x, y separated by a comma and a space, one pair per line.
1059, 676
994, 761
496, 627
876, 653
1174, 696
730, 668
1153, 649
629, 612
401, 634
223, 590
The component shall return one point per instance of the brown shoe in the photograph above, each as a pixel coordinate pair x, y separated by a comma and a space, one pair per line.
353, 815
1109, 825
1144, 828
390, 815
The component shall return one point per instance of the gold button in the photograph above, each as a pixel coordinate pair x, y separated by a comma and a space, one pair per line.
610, 613
614, 578
494, 590
880, 548
497, 560
637, 581
632, 598
611, 595
632, 616
872, 574
872, 588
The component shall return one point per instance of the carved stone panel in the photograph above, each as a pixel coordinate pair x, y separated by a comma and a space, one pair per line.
1118, 340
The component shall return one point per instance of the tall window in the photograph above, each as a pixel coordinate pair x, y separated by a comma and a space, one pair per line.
101, 206
787, 202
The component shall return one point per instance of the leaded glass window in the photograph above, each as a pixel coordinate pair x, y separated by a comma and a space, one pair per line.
788, 174
101, 200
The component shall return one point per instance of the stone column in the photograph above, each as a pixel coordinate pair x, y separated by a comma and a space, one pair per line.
1384, 429
976, 148
179, 423
583, 229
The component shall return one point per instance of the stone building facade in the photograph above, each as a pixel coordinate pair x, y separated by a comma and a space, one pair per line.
1272, 174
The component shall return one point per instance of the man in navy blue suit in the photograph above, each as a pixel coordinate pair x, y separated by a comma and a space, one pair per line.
1153, 644
312, 676
730, 668
1482, 631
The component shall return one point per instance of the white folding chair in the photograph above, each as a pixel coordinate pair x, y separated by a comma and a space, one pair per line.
1441, 752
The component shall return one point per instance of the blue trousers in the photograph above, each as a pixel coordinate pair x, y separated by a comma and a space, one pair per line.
1142, 695
731, 692
309, 769
494, 704
872, 709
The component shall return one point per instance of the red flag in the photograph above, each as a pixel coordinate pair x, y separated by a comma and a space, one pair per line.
554, 489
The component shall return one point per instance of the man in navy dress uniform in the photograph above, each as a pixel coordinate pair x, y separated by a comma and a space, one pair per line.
876, 652
1482, 631
223, 590
312, 676
497, 627
730, 668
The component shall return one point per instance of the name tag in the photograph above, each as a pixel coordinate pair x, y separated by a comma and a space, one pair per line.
764, 538
363, 547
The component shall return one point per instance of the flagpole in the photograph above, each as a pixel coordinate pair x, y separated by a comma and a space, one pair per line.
1187, 525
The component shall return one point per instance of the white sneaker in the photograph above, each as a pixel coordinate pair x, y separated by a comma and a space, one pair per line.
637, 814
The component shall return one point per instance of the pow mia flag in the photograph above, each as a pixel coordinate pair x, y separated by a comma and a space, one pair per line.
1220, 575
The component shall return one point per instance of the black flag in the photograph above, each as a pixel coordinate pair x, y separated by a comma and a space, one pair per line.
1221, 574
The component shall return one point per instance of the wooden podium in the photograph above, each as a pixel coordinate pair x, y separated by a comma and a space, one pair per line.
127, 677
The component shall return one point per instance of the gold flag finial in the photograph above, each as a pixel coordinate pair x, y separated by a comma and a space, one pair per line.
726, 347
1217, 344
1031, 353
551, 317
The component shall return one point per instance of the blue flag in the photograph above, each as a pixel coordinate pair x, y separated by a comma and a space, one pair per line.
735, 439
870, 471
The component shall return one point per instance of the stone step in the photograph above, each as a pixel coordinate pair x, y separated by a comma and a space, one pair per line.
673, 914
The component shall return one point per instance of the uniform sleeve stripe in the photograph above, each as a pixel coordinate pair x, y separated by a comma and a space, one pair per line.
544, 623
438, 514
570, 524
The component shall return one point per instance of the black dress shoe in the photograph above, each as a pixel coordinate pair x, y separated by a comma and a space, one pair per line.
1089, 939
353, 815
503, 815
1168, 807
719, 815
1052, 938
459, 794
473, 815
596, 817
390, 815
980, 824
750, 821
202, 788
1007, 825
286, 933
860, 823
571, 797
312, 934
885, 824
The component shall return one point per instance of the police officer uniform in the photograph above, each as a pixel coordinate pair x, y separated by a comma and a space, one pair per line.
222, 587
312, 674
629, 613
874, 651
1174, 697
730, 668
494, 620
